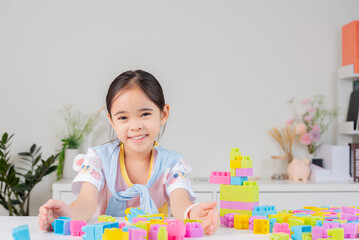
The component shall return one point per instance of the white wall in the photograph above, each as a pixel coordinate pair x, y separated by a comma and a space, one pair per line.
228, 68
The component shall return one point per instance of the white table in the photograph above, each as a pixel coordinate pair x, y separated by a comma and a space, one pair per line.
8, 223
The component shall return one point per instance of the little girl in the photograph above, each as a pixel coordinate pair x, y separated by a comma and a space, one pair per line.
133, 171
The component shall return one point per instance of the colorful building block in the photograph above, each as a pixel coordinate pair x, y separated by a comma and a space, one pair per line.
336, 234
106, 218
350, 230
238, 205
115, 234
248, 192
279, 236
294, 222
241, 221
236, 163
137, 234
162, 234
331, 224
307, 236
319, 232
176, 230
154, 231
21, 232
133, 212
272, 221
95, 231
61, 225
76, 227
220, 177
299, 230
194, 230
246, 162
229, 220
234, 153
252, 218
281, 228
238, 180
264, 210
245, 172
261, 226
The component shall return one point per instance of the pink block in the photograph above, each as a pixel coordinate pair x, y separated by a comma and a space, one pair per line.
238, 205
176, 230
281, 227
347, 216
138, 219
194, 230
319, 232
254, 217
220, 177
350, 230
244, 172
349, 210
121, 225
136, 234
331, 224
76, 227
303, 211
153, 232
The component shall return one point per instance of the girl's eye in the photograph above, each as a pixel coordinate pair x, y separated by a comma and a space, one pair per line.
122, 118
145, 114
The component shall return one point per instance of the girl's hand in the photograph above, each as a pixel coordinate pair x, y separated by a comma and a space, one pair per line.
208, 214
51, 210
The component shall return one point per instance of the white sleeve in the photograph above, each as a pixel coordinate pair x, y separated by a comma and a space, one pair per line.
178, 177
90, 170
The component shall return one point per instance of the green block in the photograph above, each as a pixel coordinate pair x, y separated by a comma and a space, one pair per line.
336, 234
246, 162
239, 193
307, 236
233, 172
234, 153
279, 236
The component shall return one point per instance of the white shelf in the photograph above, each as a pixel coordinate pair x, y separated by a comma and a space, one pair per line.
347, 128
347, 73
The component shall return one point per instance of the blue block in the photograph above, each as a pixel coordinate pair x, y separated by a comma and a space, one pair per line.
264, 210
238, 180
62, 226
299, 230
318, 223
100, 228
272, 221
21, 232
134, 212
89, 232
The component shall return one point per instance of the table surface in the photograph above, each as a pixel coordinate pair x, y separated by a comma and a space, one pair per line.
8, 223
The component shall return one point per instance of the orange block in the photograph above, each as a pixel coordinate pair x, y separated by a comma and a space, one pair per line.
241, 221
350, 45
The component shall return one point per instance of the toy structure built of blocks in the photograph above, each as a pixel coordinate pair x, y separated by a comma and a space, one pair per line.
21, 232
261, 226
279, 236
133, 212
106, 218
76, 228
248, 192
194, 230
61, 225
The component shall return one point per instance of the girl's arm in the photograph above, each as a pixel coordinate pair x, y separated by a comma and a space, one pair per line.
82, 208
204, 211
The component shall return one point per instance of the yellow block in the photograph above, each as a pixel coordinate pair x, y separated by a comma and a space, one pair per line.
248, 192
235, 164
234, 153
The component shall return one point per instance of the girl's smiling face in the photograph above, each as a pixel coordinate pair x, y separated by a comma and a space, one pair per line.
136, 120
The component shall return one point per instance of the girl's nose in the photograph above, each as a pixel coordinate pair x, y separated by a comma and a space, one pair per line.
136, 125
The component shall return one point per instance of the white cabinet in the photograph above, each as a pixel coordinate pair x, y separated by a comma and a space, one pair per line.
346, 132
284, 195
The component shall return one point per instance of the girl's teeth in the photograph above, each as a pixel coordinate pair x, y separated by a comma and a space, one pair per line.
136, 138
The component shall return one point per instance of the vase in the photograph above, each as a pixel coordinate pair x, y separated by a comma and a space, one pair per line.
70, 155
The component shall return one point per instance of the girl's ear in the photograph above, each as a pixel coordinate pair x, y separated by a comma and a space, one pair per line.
164, 114
110, 119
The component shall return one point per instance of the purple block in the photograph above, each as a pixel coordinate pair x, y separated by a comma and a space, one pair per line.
238, 205
220, 177
229, 220
349, 210
319, 232
136, 234
331, 224
347, 216
244, 172
194, 230
139, 219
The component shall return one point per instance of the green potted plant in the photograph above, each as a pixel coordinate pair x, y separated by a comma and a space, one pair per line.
16, 183
77, 127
